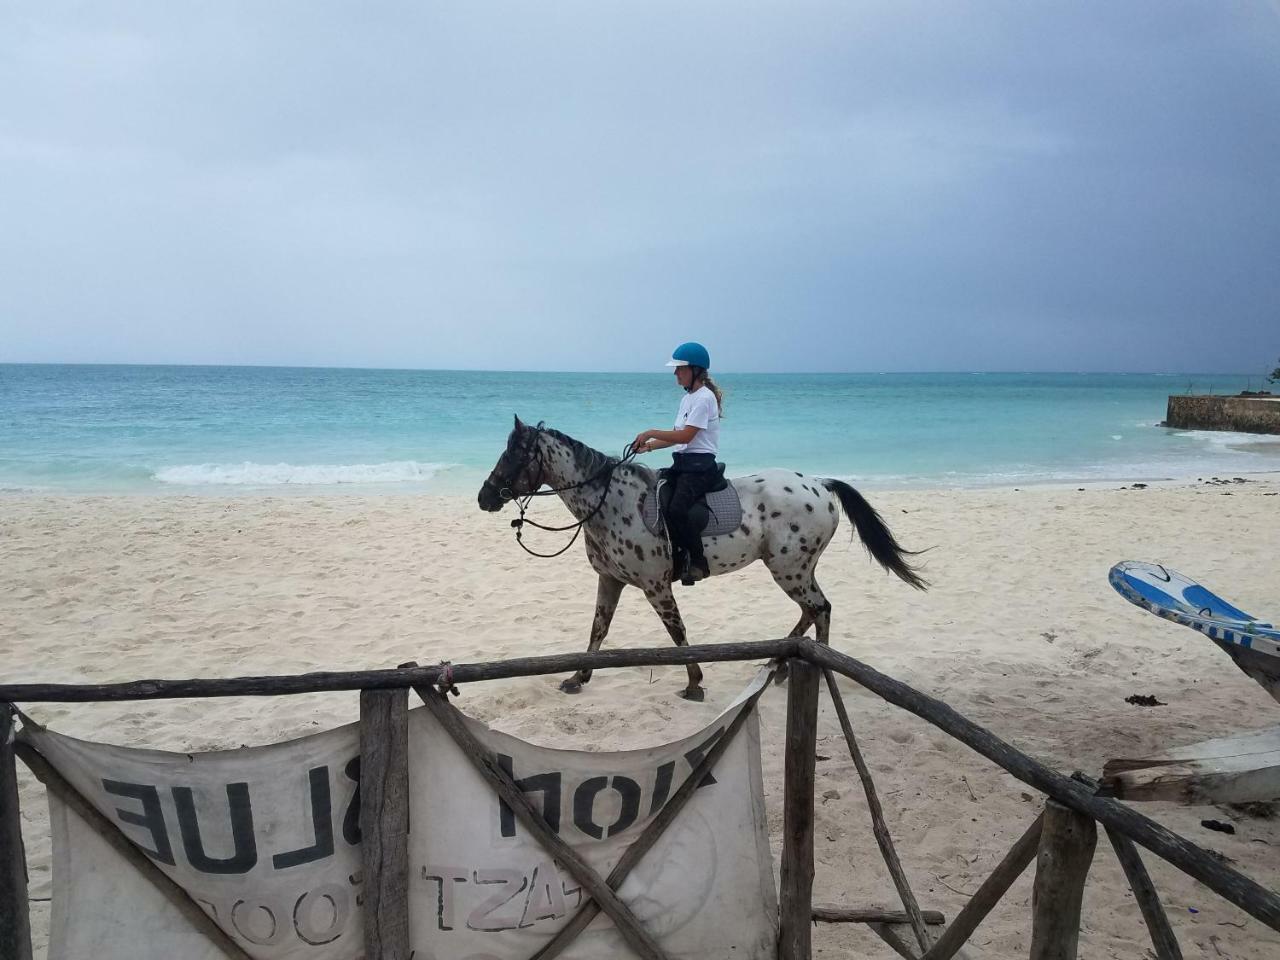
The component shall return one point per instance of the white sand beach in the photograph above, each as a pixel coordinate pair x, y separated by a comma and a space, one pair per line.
1020, 632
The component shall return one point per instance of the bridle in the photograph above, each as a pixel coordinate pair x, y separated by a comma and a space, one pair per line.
533, 453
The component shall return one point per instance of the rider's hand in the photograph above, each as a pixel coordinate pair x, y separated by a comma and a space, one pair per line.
641, 443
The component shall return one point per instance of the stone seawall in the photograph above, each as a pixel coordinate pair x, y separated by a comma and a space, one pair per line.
1241, 414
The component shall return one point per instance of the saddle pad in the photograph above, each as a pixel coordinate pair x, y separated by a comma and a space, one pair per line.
724, 511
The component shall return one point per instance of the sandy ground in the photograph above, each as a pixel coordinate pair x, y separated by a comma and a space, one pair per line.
1020, 632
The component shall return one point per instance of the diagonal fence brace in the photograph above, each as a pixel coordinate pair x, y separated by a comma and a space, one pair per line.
650, 835
628, 925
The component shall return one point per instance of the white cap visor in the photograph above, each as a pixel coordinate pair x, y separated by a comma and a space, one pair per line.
677, 363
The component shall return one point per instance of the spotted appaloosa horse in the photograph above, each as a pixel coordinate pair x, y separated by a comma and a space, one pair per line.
787, 521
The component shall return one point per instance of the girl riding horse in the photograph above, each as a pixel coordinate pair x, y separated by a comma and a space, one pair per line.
696, 438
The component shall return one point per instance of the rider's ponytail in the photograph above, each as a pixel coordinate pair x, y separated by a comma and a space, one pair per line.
700, 374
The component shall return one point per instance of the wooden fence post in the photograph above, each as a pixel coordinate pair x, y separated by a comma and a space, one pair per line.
1066, 851
384, 822
15, 919
795, 908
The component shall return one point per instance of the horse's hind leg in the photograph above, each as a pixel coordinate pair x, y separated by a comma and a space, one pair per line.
802, 587
663, 602
608, 590
803, 624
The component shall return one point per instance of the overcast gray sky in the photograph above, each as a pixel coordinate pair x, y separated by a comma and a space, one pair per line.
579, 186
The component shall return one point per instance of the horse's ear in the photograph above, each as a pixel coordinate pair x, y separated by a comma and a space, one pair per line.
519, 426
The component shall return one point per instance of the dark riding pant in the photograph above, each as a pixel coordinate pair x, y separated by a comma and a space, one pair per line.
691, 476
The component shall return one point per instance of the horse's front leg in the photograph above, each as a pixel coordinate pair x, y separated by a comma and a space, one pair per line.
608, 590
664, 605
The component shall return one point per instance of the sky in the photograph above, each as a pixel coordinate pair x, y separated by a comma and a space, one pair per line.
802, 186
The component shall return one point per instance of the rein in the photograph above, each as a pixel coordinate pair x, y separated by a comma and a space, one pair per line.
522, 503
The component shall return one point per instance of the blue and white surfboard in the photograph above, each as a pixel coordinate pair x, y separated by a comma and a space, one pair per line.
1252, 644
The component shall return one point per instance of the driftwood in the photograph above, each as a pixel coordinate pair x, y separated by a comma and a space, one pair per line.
1236, 769
394, 679
988, 895
626, 922
1247, 894
121, 844
795, 881
15, 916
384, 822
1062, 866
878, 827
641, 845
1162, 938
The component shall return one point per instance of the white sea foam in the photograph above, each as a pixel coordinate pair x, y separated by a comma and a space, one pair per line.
1224, 438
279, 474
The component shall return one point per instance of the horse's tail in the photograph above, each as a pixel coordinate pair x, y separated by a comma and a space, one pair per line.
875, 534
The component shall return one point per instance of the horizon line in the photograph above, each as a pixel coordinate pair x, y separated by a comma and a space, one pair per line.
600, 372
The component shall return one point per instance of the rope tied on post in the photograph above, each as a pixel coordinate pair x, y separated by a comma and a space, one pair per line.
445, 684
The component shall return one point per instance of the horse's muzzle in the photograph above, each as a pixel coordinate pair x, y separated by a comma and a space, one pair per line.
489, 499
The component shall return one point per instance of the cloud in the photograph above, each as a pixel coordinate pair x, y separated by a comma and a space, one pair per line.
914, 186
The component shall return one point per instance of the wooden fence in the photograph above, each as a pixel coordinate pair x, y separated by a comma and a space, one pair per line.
1061, 840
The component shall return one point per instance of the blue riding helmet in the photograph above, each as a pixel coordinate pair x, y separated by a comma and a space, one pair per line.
690, 355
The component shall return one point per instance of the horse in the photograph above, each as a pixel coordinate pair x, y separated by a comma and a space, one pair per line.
787, 521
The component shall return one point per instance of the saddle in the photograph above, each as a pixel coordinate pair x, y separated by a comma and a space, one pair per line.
718, 512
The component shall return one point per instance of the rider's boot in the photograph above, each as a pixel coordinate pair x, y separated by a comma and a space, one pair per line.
696, 569
679, 563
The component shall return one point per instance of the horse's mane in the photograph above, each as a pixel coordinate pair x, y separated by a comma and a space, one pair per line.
591, 461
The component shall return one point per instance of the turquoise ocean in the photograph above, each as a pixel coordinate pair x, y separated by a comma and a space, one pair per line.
270, 430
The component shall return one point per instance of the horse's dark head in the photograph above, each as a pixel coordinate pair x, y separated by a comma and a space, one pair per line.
518, 472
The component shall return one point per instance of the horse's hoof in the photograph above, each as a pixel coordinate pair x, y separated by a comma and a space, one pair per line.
570, 686
696, 694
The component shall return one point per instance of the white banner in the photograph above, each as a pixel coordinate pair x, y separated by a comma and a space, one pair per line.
267, 841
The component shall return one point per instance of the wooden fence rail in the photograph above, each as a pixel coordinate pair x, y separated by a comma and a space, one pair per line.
1063, 840
329, 681
1231, 885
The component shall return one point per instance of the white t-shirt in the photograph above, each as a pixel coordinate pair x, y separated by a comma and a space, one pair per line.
699, 409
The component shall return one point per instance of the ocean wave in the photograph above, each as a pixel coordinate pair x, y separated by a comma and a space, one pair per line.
310, 474
1225, 438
